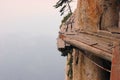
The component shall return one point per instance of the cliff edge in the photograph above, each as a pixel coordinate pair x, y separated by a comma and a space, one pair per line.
94, 17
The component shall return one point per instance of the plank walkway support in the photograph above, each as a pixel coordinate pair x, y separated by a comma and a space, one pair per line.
115, 68
60, 43
83, 46
113, 57
110, 50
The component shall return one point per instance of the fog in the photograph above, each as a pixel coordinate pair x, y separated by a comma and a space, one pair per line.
28, 48
29, 52
24, 56
28, 32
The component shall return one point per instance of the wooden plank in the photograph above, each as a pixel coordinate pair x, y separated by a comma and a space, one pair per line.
83, 46
97, 42
60, 43
115, 72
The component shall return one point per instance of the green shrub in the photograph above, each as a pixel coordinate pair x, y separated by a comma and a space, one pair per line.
70, 71
66, 17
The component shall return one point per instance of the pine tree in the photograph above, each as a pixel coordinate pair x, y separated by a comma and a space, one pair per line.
63, 4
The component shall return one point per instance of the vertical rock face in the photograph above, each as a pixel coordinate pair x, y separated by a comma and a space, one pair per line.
91, 15
83, 68
96, 14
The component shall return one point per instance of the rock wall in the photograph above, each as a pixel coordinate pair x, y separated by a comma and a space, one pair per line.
93, 15
83, 68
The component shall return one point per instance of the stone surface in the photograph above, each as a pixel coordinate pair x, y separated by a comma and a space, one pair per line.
92, 15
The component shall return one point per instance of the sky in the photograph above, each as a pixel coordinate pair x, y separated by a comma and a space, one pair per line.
28, 32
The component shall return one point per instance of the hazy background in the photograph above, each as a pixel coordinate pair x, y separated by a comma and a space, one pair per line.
28, 32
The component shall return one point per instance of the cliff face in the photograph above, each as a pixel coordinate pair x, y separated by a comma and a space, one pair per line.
80, 67
91, 15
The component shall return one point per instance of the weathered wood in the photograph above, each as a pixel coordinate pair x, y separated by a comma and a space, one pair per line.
115, 72
95, 51
94, 41
119, 18
60, 43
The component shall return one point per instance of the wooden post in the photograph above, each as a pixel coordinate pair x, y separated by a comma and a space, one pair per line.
119, 19
115, 68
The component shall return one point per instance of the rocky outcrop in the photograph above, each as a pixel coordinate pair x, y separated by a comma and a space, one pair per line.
93, 15
90, 16
80, 67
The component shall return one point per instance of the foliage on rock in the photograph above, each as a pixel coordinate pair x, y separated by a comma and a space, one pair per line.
66, 17
70, 71
63, 4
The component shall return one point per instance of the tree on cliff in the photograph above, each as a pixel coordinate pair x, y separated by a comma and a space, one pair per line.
63, 4
93, 16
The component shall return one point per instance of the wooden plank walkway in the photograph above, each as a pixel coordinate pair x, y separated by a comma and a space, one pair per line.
102, 44
95, 43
